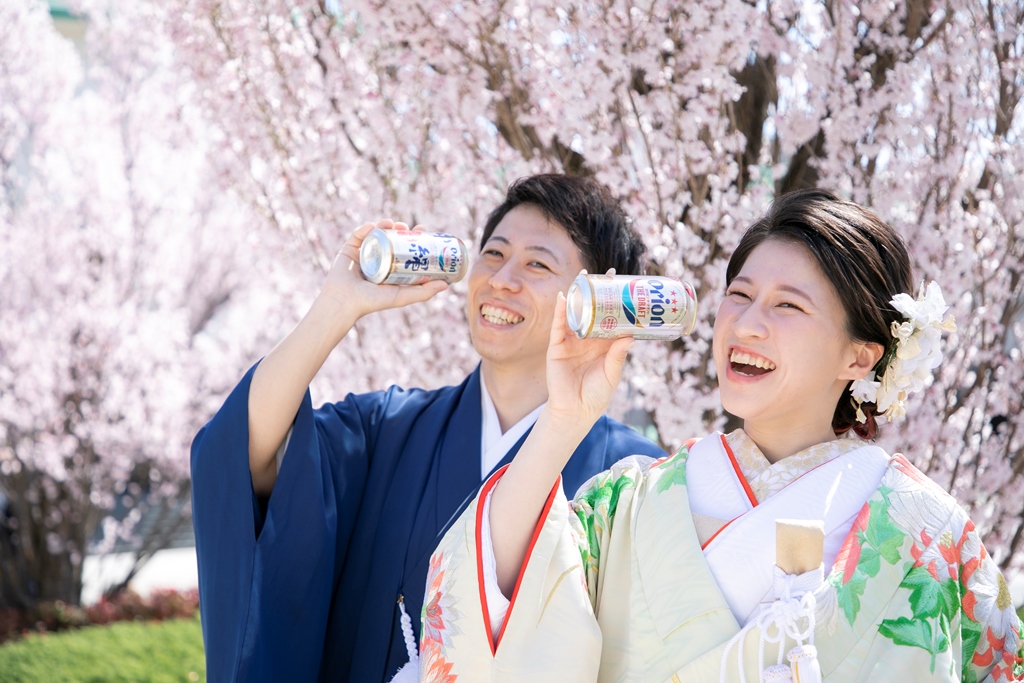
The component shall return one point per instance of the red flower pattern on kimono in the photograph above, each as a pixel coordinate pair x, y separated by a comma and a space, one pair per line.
950, 573
930, 517
849, 553
434, 668
439, 623
987, 601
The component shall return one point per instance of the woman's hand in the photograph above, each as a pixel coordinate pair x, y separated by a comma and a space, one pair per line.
582, 374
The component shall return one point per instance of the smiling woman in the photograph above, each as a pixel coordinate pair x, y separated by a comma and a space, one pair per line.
618, 585
834, 261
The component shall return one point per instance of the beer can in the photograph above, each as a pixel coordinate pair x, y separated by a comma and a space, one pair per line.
412, 257
638, 306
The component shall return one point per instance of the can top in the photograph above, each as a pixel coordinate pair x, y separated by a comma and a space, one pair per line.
375, 256
579, 308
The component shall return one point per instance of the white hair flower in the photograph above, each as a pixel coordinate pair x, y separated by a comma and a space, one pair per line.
915, 352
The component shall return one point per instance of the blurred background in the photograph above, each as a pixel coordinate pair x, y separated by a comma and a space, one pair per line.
176, 177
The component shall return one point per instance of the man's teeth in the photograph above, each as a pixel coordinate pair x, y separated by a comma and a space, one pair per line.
747, 359
499, 316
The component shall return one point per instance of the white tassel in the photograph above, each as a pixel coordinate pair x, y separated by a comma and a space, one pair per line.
407, 674
794, 607
777, 674
803, 660
410, 673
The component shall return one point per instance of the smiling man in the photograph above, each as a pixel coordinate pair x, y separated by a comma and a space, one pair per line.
314, 528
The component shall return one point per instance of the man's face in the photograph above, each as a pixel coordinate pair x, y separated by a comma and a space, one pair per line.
513, 284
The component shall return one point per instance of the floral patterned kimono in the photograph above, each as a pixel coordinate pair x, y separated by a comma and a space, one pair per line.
653, 570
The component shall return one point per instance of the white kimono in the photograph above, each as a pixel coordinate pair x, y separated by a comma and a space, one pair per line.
617, 587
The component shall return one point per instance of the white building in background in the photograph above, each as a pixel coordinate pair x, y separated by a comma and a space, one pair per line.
170, 568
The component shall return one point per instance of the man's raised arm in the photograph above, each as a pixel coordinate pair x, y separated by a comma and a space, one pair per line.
283, 376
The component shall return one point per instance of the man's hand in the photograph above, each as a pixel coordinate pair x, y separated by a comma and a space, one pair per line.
350, 296
282, 378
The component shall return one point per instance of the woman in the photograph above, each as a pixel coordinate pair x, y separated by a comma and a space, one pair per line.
664, 570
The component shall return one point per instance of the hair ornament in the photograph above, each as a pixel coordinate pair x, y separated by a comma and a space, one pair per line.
915, 351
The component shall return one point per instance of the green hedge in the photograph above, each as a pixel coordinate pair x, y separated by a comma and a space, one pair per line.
141, 652
125, 652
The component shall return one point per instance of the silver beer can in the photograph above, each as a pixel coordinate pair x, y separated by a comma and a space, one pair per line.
412, 257
638, 306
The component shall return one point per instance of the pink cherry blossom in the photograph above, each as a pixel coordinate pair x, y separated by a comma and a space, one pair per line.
171, 200
121, 266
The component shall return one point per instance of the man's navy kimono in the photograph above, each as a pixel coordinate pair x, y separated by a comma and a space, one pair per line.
304, 586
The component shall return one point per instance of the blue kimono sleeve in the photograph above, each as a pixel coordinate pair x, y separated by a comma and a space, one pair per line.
266, 582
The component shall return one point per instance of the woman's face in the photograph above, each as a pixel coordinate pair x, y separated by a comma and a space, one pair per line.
781, 348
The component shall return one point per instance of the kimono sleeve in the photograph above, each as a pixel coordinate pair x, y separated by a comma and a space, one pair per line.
990, 630
550, 632
594, 513
266, 580
952, 614
952, 611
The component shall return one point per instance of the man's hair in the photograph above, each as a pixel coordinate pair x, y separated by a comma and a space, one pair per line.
588, 213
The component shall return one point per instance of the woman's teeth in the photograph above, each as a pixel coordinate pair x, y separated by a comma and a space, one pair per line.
746, 359
499, 316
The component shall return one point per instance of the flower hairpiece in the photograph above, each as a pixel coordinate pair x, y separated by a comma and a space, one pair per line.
916, 350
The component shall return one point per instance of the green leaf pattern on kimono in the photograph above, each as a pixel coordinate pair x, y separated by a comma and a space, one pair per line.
595, 506
674, 470
970, 634
950, 583
916, 633
872, 538
935, 605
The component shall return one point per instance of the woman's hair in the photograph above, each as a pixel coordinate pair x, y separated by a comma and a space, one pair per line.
588, 213
864, 259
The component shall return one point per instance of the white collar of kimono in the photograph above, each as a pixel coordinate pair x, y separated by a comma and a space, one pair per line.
493, 444
741, 555
766, 478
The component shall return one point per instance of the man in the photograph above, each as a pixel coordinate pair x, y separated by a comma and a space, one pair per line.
304, 574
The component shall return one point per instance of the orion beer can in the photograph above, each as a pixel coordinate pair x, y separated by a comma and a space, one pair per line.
638, 306
412, 257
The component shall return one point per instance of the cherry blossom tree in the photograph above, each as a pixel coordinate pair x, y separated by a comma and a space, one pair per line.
135, 290
121, 260
696, 115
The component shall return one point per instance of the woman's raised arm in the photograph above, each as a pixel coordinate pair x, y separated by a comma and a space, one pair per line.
582, 375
